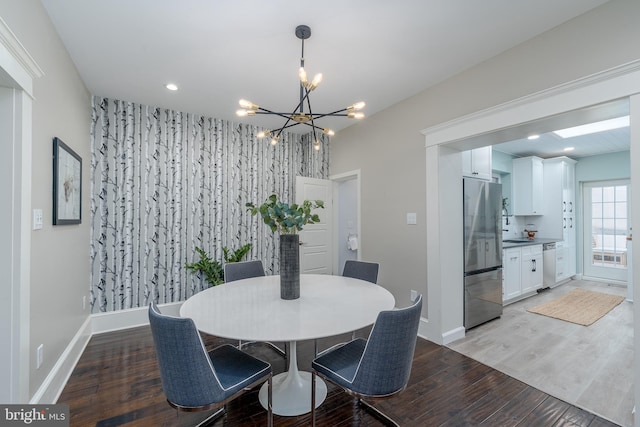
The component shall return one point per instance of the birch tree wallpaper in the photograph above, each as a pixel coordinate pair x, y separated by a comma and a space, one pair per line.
164, 182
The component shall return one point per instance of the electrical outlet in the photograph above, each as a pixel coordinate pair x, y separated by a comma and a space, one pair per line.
414, 295
39, 356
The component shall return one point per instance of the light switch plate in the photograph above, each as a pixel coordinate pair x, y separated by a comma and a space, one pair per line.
411, 218
37, 219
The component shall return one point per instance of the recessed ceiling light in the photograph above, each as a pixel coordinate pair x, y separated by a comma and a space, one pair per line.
569, 149
171, 86
533, 137
616, 123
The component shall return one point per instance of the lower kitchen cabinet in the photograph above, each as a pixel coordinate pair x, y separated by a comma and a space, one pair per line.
511, 260
522, 273
531, 274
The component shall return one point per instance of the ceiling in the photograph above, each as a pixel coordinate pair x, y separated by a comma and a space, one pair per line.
217, 52
551, 145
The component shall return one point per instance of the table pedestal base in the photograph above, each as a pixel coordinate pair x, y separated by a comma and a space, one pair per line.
291, 398
292, 390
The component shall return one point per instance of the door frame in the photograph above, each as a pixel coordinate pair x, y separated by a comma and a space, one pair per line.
586, 226
444, 307
17, 72
346, 176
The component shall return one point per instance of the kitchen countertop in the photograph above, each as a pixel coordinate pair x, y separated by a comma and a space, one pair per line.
525, 242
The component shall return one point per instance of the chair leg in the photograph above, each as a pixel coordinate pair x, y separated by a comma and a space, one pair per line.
313, 398
213, 417
378, 414
269, 401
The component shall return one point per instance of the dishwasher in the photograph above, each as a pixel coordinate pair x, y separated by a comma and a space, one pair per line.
549, 264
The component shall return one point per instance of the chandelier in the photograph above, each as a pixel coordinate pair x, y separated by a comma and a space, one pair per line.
299, 116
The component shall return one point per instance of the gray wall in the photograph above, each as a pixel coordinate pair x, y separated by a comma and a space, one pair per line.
59, 255
389, 148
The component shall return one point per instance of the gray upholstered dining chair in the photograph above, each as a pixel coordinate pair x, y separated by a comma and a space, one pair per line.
361, 270
194, 379
378, 367
244, 270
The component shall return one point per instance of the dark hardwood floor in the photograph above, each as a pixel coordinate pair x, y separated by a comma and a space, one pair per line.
116, 382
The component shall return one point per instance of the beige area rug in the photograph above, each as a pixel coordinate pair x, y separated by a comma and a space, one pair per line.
579, 306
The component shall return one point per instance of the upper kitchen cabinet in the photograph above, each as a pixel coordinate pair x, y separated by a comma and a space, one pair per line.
558, 220
476, 163
527, 184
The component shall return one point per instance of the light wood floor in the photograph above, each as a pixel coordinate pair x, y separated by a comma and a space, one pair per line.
587, 366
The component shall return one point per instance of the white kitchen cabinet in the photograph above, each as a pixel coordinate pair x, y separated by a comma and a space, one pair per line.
558, 220
527, 184
522, 272
476, 163
511, 274
531, 274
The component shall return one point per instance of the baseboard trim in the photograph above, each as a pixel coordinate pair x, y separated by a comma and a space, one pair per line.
424, 331
124, 319
51, 388
453, 335
423, 328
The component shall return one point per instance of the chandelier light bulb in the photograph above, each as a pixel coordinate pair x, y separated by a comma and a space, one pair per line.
242, 113
248, 105
264, 133
316, 146
328, 132
303, 77
353, 115
317, 79
274, 140
357, 106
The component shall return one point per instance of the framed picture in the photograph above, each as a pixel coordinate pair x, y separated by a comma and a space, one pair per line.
67, 184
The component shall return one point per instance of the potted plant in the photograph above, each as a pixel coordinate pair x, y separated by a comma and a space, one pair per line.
211, 270
288, 220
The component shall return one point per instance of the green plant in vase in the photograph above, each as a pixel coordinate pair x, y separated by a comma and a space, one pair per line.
288, 220
284, 218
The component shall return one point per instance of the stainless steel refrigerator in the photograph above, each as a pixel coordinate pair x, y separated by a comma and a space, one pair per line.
482, 251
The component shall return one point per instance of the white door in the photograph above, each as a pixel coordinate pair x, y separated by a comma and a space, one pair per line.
316, 253
606, 226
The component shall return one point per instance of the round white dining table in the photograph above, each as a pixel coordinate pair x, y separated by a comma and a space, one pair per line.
252, 310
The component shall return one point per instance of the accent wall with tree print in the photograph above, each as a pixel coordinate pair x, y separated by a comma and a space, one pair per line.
164, 182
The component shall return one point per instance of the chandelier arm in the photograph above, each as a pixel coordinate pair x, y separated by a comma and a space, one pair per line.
333, 113
299, 116
313, 125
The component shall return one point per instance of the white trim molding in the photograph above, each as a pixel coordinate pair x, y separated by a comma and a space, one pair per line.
609, 86
51, 388
17, 71
112, 321
618, 82
16, 61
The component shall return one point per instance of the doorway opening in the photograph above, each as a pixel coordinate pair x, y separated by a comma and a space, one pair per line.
346, 195
606, 206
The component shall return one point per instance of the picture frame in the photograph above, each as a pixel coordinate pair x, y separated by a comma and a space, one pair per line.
67, 184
